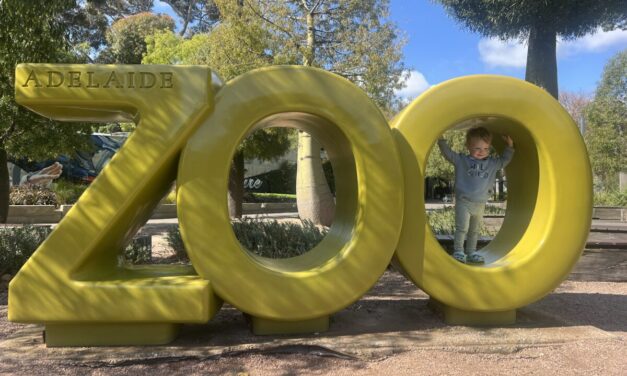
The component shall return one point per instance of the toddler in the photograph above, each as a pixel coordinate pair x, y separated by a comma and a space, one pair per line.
475, 174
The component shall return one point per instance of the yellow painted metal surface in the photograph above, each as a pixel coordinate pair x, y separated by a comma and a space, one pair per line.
361, 241
74, 276
189, 128
549, 194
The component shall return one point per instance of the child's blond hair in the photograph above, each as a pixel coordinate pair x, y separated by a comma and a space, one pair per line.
478, 132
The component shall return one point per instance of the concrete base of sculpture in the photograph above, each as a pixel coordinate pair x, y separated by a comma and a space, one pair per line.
455, 316
261, 326
113, 334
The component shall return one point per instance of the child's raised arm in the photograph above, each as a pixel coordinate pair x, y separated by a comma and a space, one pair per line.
446, 150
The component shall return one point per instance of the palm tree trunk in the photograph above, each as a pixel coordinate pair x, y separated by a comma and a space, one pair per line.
542, 59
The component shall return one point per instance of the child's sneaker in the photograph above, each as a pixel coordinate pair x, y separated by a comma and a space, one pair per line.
459, 256
475, 258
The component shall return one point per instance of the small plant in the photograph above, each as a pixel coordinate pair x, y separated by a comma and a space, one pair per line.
270, 239
17, 244
273, 239
269, 197
442, 222
32, 195
175, 241
494, 210
139, 251
610, 198
68, 192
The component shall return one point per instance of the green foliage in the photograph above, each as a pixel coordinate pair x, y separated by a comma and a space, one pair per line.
32, 195
67, 192
175, 241
270, 239
437, 166
540, 22
127, 37
139, 251
516, 18
270, 197
606, 131
610, 198
34, 32
442, 222
203, 14
494, 210
17, 244
353, 39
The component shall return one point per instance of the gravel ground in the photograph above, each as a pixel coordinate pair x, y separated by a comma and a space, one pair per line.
579, 329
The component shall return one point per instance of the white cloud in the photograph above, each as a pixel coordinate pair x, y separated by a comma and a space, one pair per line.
416, 84
497, 53
513, 53
596, 42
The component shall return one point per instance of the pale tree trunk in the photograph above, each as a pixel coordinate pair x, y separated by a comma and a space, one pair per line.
542, 60
236, 186
313, 196
5, 187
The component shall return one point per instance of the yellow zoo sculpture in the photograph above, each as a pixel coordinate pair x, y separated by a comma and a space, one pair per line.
189, 126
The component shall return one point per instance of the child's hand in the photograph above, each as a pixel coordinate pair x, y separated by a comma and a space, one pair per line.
508, 140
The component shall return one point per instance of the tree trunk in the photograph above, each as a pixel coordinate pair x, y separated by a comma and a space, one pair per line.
5, 187
236, 186
313, 196
542, 59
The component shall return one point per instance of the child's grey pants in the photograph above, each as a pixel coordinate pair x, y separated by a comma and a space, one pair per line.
468, 220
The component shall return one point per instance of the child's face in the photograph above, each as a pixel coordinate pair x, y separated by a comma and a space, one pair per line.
478, 149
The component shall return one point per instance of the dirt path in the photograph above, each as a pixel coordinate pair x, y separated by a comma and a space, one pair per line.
581, 328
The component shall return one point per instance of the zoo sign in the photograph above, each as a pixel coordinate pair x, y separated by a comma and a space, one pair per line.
189, 125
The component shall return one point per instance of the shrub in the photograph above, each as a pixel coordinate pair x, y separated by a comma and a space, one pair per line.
68, 192
442, 222
176, 243
494, 210
32, 195
269, 197
270, 239
139, 251
17, 244
610, 198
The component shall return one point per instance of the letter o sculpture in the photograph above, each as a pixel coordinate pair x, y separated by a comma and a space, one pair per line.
549, 194
190, 126
361, 241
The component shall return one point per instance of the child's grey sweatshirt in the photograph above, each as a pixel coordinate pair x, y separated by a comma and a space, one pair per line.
474, 178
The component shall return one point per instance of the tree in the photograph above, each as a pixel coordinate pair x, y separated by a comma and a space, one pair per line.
203, 14
439, 167
348, 37
88, 22
33, 32
606, 118
127, 37
351, 38
575, 104
235, 46
540, 23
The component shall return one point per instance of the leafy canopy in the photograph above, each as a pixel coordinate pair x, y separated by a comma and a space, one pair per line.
515, 18
34, 32
606, 118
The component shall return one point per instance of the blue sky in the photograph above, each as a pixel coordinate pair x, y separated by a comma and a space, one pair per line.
438, 49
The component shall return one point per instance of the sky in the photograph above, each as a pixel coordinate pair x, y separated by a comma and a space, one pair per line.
438, 49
